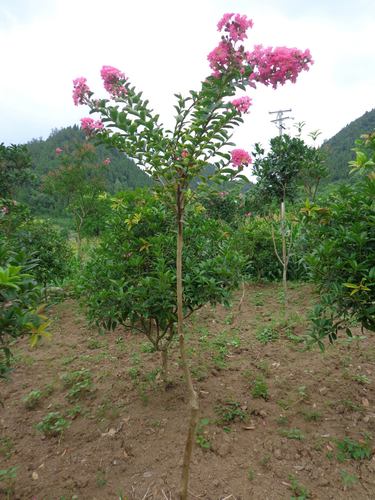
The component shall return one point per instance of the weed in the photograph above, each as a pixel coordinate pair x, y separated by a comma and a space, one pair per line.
6, 447
147, 347
250, 474
151, 376
74, 412
361, 379
53, 424
292, 434
134, 372
311, 415
101, 480
302, 392
265, 460
96, 344
8, 480
299, 491
266, 335
282, 420
285, 404
260, 388
199, 373
229, 319
32, 400
229, 412
290, 335
67, 360
356, 450
79, 383
351, 405
107, 410
264, 366
348, 479
201, 438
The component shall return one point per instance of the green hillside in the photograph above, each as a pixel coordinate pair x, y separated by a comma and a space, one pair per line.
339, 147
122, 173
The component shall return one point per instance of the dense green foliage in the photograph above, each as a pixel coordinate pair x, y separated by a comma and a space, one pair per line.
130, 278
339, 148
49, 247
254, 239
20, 297
342, 249
15, 164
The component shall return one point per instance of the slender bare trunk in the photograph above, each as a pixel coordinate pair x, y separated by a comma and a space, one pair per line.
164, 367
284, 252
193, 396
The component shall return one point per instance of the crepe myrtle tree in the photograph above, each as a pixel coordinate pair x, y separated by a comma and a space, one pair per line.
203, 128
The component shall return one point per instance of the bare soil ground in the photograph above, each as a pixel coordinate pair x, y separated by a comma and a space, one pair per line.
276, 422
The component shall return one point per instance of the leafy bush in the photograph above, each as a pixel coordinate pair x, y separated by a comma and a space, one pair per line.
20, 297
254, 239
48, 245
130, 278
342, 243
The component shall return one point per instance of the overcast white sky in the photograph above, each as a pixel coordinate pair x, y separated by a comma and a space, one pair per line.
162, 47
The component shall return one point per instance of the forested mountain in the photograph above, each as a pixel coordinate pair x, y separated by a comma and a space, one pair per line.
339, 147
122, 173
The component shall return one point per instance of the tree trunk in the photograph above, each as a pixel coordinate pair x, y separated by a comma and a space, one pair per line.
164, 367
284, 251
193, 396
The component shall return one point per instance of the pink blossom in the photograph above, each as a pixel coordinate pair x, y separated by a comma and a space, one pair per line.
248, 214
240, 158
236, 27
242, 104
273, 66
89, 125
184, 153
5, 210
58, 151
80, 91
113, 80
107, 161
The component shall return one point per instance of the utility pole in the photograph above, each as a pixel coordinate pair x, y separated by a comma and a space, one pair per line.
280, 118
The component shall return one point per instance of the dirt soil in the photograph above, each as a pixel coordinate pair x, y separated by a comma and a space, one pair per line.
276, 421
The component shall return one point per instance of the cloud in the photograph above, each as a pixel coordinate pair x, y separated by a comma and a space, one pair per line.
162, 48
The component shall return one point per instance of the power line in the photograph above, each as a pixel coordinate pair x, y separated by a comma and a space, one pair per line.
280, 118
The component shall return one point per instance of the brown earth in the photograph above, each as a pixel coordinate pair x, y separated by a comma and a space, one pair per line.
126, 433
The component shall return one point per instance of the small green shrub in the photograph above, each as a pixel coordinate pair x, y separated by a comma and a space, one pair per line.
79, 383
260, 388
292, 434
53, 424
266, 335
201, 435
32, 399
349, 449
230, 411
299, 491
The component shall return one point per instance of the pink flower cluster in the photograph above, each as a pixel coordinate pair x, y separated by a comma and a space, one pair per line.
272, 66
242, 104
80, 90
113, 80
240, 158
236, 27
89, 125
107, 161
58, 151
